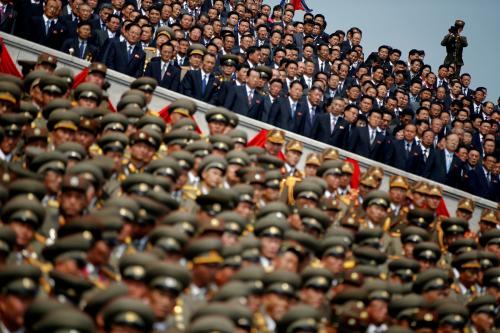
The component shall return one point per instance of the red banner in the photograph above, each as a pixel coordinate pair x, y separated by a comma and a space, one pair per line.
7, 65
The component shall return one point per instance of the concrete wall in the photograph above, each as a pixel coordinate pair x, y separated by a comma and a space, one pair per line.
22, 49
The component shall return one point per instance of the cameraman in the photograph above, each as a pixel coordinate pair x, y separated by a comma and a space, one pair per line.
455, 44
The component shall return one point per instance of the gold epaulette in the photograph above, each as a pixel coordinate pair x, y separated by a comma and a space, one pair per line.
97, 283
289, 184
190, 192
132, 168
387, 224
40, 238
345, 199
95, 150
153, 113
179, 314
349, 264
53, 203
61, 221
45, 285
110, 274
455, 288
395, 234
394, 257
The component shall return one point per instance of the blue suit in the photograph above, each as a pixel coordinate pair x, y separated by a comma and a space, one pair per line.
55, 37
480, 186
322, 130
306, 122
116, 57
237, 101
170, 80
281, 115
401, 157
191, 85
359, 143
436, 169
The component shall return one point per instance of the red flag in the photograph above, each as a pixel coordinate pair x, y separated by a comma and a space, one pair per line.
80, 77
165, 115
356, 174
442, 210
7, 65
297, 5
260, 141
111, 107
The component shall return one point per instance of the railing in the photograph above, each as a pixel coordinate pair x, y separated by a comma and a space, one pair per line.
23, 49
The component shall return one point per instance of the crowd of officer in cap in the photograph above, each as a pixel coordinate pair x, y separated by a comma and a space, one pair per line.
131, 222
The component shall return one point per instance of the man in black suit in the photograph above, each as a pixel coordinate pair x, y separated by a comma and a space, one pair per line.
202, 83
128, 56
48, 29
322, 64
99, 23
405, 150
445, 167
80, 46
479, 137
8, 16
367, 141
275, 88
417, 162
482, 182
162, 69
244, 99
284, 110
331, 127
309, 109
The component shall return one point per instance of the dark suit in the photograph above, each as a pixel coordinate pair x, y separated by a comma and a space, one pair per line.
480, 186
191, 85
401, 157
170, 80
417, 162
268, 103
71, 24
436, 169
96, 24
28, 10
57, 34
116, 57
306, 122
281, 115
8, 20
237, 101
476, 142
326, 67
91, 52
322, 130
359, 143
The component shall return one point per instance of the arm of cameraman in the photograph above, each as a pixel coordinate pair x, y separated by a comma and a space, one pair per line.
446, 40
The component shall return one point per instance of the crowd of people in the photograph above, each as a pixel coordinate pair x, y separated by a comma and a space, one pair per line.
127, 219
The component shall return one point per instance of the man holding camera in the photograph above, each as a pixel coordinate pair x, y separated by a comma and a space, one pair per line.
455, 44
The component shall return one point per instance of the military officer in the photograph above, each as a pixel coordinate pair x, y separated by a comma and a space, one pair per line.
275, 140
19, 289
143, 146
24, 214
293, 153
128, 314
166, 282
